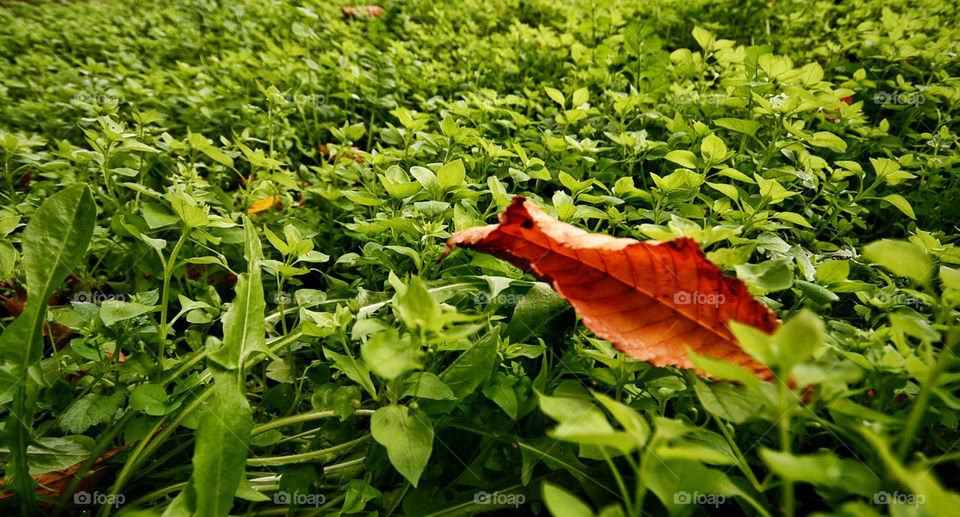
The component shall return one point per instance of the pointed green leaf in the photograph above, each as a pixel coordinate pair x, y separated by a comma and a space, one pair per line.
407, 436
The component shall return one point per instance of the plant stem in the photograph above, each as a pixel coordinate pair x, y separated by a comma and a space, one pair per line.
305, 456
788, 495
305, 417
620, 484
923, 398
741, 461
168, 268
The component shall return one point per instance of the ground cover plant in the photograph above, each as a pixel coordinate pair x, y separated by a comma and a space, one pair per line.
222, 226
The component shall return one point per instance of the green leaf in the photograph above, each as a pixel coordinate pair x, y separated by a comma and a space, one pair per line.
279, 370
817, 293
426, 385
538, 307
950, 277
580, 97
451, 174
728, 190
416, 307
722, 369
704, 38
244, 327
472, 367
772, 275
682, 158
725, 400
801, 336
449, 127
901, 203
361, 197
390, 356
192, 214
407, 436
902, 258
748, 127
90, 410
629, 418
8, 260
561, 503
200, 143
8, 223
833, 271
358, 493
152, 399
889, 171
112, 311
823, 469
220, 452
554, 94
54, 242
426, 178
581, 421
59, 453
827, 139
500, 391
712, 149
353, 369
794, 218
754, 342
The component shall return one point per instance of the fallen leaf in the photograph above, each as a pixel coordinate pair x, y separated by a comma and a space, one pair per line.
650, 299
353, 154
263, 205
16, 305
52, 484
371, 11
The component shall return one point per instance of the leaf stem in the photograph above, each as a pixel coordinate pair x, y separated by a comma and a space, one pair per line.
305, 417
168, 269
926, 390
620, 484
305, 456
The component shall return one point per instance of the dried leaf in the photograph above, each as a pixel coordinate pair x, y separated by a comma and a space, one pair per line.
52, 484
360, 11
650, 299
263, 205
353, 154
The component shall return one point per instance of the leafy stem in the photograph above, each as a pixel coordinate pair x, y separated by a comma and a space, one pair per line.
169, 265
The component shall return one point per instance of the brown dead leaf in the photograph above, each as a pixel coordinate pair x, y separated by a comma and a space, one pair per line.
52, 484
361, 11
650, 299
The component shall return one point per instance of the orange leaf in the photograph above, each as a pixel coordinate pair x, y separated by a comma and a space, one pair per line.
52, 484
650, 299
263, 204
372, 11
